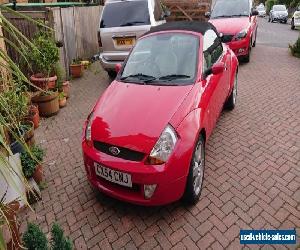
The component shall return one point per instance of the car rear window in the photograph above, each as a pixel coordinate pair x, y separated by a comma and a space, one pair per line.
126, 13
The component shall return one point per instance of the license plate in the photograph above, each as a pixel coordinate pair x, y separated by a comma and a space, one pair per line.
114, 176
125, 41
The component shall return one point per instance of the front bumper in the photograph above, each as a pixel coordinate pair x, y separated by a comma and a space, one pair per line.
280, 18
297, 22
110, 60
170, 178
240, 48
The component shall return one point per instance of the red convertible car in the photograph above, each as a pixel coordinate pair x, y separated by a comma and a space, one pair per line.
144, 141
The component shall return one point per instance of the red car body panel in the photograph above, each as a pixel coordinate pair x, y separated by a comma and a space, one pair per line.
232, 26
134, 116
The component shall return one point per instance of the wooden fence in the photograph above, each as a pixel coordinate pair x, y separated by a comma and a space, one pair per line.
76, 27
192, 10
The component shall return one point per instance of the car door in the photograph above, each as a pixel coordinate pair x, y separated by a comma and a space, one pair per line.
215, 86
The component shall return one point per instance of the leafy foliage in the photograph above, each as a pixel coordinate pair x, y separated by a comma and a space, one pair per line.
34, 238
61, 75
14, 106
44, 55
30, 160
59, 241
295, 49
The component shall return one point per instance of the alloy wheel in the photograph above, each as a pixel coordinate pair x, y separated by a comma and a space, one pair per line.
198, 168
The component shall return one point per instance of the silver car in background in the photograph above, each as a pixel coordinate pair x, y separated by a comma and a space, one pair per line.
122, 22
278, 13
261, 10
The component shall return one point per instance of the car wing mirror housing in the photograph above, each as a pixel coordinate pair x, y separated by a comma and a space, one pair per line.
217, 68
118, 67
207, 14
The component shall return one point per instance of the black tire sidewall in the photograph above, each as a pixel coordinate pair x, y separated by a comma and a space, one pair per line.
189, 195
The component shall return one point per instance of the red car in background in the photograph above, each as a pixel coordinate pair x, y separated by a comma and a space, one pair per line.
144, 141
237, 21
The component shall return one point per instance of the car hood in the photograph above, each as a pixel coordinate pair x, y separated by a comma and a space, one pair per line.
133, 116
231, 25
280, 13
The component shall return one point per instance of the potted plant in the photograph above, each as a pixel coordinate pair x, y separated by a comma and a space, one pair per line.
59, 241
47, 103
27, 128
295, 49
76, 68
34, 238
33, 115
31, 163
62, 84
43, 56
13, 109
62, 100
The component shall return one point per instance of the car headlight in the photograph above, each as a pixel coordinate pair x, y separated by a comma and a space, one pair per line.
163, 147
241, 35
88, 129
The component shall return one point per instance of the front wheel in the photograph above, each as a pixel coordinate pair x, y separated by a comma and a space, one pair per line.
231, 101
196, 173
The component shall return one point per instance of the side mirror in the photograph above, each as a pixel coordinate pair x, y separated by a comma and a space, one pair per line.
207, 14
118, 67
217, 68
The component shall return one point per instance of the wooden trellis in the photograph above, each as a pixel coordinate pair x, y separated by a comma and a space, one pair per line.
192, 10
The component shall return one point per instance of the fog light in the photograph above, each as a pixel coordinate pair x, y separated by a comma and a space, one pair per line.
241, 50
149, 190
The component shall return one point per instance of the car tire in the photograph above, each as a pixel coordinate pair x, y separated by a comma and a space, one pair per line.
254, 43
292, 24
231, 101
195, 177
269, 20
247, 57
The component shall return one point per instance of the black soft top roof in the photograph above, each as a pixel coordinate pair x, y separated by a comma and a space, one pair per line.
195, 26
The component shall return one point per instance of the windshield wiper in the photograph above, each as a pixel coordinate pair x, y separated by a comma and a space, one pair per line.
173, 77
130, 23
140, 76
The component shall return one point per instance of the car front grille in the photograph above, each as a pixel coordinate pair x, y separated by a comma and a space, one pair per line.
125, 153
227, 38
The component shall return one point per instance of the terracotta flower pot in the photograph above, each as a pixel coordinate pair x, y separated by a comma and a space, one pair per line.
62, 102
48, 104
34, 115
76, 70
42, 82
38, 174
66, 88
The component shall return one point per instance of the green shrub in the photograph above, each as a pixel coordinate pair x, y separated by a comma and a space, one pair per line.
31, 160
34, 238
44, 55
269, 5
59, 241
295, 49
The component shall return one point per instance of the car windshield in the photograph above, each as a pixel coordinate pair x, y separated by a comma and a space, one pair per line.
279, 8
126, 13
164, 59
230, 8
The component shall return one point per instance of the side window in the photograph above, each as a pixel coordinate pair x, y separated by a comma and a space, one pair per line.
212, 49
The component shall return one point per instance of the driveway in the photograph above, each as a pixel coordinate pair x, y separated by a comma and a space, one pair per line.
252, 177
